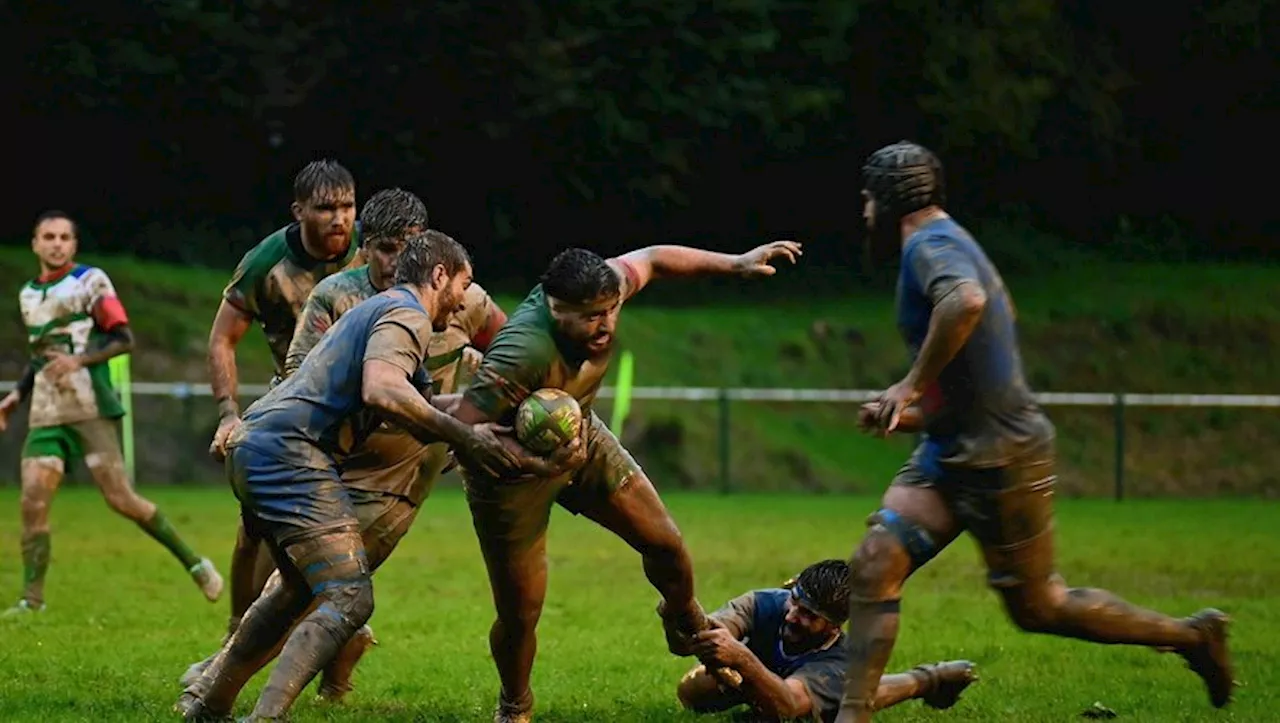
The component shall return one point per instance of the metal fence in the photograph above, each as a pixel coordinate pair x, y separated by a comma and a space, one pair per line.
1118, 402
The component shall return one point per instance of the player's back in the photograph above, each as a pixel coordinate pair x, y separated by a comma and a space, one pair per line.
981, 411
317, 414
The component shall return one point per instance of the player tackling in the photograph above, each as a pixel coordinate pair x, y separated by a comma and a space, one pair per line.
269, 287
561, 337
986, 462
787, 645
284, 460
75, 324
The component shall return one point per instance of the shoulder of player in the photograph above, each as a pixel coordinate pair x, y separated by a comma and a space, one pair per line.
265, 254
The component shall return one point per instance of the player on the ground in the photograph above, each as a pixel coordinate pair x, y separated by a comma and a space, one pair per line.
386, 220
283, 462
561, 336
787, 645
75, 324
269, 287
986, 463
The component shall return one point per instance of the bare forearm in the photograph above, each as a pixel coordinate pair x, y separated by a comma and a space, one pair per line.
27, 382
119, 341
769, 693
409, 409
223, 378
670, 261
953, 320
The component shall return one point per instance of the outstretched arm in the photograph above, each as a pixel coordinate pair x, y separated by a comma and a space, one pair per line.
668, 261
764, 690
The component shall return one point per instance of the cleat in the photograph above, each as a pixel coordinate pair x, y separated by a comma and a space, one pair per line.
335, 682
207, 579
944, 682
193, 710
520, 711
22, 608
1210, 659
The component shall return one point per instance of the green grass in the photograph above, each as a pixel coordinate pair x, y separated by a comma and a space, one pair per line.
123, 621
1089, 325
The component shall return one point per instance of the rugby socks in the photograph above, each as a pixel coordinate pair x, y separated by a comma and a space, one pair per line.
873, 629
35, 563
160, 529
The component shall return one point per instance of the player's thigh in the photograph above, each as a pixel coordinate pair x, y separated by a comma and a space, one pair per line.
1009, 511
916, 509
100, 440
510, 522
286, 501
384, 519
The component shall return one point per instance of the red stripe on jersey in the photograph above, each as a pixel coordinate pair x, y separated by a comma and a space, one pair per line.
109, 313
484, 337
633, 276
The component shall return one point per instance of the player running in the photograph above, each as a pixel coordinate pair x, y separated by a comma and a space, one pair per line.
787, 645
387, 219
283, 463
269, 287
986, 463
561, 337
75, 323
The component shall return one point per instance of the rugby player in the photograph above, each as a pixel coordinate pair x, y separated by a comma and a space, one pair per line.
787, 645
386, 220
986, 462
283, 463
561, 336
269, 287
75, 324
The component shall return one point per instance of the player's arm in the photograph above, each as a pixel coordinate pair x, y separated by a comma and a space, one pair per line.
230, 325
109, 317
950, 280
669, 261
736, 615
764, 690
17, 395
910, 421
316, 318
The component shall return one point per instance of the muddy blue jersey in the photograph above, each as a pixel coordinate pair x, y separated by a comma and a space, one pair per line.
317, 416
980, 411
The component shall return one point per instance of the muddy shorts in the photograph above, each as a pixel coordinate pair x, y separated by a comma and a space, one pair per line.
1008, 510
76, 441
514, 515
384, 519
285, 502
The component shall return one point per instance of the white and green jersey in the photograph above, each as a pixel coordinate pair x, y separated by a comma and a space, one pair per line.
68, 313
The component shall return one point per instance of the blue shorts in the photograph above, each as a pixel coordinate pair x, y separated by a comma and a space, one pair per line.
285, 502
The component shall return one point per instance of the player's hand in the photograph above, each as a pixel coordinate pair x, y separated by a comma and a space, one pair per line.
717, 647
894, 403
226, 427
757, 262
61, 364
564, 459
867, 415
485, 450
7, 406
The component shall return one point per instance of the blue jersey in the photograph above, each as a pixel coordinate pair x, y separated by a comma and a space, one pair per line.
980, 412
317, 416
758, 616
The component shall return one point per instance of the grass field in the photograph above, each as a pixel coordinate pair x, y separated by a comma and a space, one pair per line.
123, 620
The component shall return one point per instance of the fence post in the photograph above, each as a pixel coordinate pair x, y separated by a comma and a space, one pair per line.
725, 485
1118, 408
183, 393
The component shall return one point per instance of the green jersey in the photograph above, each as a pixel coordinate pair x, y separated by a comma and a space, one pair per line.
273, 280
69, 313
526, 356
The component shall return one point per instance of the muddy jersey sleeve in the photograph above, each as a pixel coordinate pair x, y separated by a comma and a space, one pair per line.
400, 338
939, 265
474, 319
103, 304
823, 677
317, 316
516, 365
737, 614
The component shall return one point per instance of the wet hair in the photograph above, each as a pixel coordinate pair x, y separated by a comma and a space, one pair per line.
321, 177
578, 276
54, 214
424, 251
824, 586
389, 213
904, 177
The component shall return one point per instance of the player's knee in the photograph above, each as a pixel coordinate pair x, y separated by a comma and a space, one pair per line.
1036, 608
695, 689
128, 504
880, 564
520, 618
352, 601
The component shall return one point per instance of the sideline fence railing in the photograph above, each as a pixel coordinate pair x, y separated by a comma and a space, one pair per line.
723, 396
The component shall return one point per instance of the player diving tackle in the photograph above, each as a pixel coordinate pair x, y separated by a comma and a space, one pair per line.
787, 645
283, 464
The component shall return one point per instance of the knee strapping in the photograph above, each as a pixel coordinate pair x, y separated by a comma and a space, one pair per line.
345, 606
915, 539
49, 462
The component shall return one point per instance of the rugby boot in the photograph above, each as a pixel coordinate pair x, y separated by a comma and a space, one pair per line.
207, 579
944, 682
193, 710
335, 681
1210, 659
519, 711
22, 608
